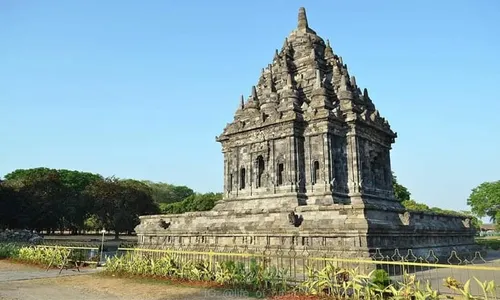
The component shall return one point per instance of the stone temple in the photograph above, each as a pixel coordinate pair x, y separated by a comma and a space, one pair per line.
307, 165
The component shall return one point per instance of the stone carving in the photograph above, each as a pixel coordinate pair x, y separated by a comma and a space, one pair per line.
294, 219
466, 223
405, 218
164, 224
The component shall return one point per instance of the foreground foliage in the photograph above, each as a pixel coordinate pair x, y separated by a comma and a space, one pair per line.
330, 281
33, 255
257, 275
254, 276
42, 255
46, 255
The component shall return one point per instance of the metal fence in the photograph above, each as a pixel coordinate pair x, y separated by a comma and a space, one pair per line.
301, 265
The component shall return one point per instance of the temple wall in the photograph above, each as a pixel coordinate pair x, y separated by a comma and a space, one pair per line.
344, 230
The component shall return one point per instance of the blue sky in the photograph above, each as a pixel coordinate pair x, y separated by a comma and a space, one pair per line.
141, 89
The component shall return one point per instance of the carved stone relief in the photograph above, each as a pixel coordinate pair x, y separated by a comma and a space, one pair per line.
405, 218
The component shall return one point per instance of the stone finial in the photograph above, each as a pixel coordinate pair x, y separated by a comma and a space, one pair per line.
353, 81
317, 83
341, 60
289, 81
276, 55
254, 93
285, 65
285, 44
302, 24
242, 102
310, 42
328, 49
313, 54
270, 81
343, 83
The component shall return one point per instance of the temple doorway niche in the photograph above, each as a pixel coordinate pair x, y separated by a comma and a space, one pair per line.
242, 178
375, 168
260, 170
365, 174
280, 173
378, 170
315, 174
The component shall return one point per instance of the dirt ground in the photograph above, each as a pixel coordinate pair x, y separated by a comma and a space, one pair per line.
18, 282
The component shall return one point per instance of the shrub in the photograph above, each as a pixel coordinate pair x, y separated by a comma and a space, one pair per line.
253, 276
42, 255
9, 251
381, 278
493, 244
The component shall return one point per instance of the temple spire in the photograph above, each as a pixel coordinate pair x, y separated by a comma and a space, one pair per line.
302, 19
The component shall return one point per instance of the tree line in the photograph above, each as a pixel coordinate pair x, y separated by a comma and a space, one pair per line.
44, 199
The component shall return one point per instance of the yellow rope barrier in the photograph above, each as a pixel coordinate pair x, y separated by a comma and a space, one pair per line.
65, 247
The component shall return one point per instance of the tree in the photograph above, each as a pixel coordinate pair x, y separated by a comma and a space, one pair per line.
12, 212
22, 174
168, 193
92, 223
484, 200
45, 197
77, 210
73, 210
400, 192
197, 202
118, 204
413, 205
